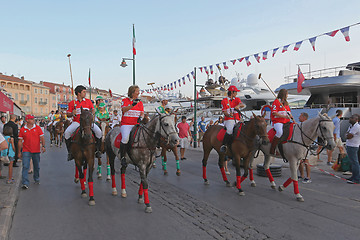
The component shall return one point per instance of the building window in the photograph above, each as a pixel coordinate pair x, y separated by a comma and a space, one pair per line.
16, 96
54, 98
64, 89
22, 96
27, 88
36, 110
40, 91
36, 100
41, 110
45, 91
35, 90
46, 100
21, 87
28, 98
40, 100
64, 98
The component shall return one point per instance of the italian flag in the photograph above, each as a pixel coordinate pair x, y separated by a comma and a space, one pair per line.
134, 40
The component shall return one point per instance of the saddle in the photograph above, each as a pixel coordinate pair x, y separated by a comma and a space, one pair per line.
131, 137
288, 129
236, 132
76, 132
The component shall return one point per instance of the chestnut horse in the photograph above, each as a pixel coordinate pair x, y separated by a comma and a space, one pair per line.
165, 147
105, 128
83, 150
241, 147
59, 132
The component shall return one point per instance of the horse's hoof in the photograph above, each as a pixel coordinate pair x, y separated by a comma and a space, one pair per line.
253, 184
148, 210
92, 203
140, 200
241, 193
165, 173
83, 195
299, 198
76, 180
281, 188
228, 184
178, 173
114, 192
123, 193
99, 176
273, 185
108, 178
206, 182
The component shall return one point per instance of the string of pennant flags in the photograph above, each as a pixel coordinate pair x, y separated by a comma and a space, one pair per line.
209, 70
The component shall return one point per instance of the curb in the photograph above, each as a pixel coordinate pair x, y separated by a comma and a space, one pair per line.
8, 210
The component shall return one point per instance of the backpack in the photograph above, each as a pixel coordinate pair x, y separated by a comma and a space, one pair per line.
345, 164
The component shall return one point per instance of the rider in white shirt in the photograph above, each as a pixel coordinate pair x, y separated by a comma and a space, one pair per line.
51, 117
115, 118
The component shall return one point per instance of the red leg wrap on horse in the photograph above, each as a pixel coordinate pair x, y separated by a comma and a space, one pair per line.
238, 182
82, 182
141, 190
76, 172
268, 173
113, 184
251, 174
123, 186
287, 182
296, 187
242, 178
223, 174
146, 196
204, 172
91, 189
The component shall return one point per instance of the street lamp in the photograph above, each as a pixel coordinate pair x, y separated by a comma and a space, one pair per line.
124, 64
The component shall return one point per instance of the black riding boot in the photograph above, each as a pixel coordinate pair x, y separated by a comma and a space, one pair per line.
123, 148
274, 143
98, 147
68, 145
226, 142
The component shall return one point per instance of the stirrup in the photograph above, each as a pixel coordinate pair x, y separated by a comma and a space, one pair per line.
223, 148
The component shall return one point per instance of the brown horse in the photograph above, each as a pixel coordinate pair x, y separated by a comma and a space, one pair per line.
59, 132
83, 150
241, 147
165, 147
105, 128
52, 134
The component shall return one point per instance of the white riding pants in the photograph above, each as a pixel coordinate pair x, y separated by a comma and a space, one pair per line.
50, 123
74, 125
125, 133
56, 122
278, 129
229, 124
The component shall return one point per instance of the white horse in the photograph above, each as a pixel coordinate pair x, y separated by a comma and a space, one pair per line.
304, 135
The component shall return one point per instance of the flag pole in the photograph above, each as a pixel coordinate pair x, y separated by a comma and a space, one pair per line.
90, 84
72, 82
134, 54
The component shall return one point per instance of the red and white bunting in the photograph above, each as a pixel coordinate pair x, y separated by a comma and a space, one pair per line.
285, 48
312, 42
256, 56
200, 69
183, 78
248, 63
211, 69
179, 81
175, 84
171, 85
233, 61
265, 55
297, 46
345, 32
225, 66
218, 66
188, 76
240, 59
193, 74
206, 71
168, 87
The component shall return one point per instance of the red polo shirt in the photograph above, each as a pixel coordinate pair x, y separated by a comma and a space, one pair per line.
228, 106
31, 138
86, 104
131, 116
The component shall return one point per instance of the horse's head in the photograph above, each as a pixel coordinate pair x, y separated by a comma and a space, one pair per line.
325, 130
168, 130
260, 128
86, 121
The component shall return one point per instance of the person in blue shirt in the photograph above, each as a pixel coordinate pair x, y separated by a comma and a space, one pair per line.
337, 138
202, 129
10, 151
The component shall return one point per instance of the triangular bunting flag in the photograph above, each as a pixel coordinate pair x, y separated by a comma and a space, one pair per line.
274, 51
240, 59
188, 75
312, 42
218, 66
207, 72
183, 78
265, 55
179, 81
233, 61
171, 85
345, 32
168, 87
201, 69
211, 69
248, 63
333, 33
175, 84
193, 74
297, 46
225, 66
285, 48
257, 57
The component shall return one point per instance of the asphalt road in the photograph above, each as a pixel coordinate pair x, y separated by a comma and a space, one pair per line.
183, 207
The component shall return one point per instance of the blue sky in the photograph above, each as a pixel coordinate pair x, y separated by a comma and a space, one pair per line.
172, 38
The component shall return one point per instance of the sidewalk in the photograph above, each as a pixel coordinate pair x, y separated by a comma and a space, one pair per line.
9, 194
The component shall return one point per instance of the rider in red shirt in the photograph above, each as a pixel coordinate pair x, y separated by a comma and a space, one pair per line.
74, 109
230, 103
132, 113
280, 114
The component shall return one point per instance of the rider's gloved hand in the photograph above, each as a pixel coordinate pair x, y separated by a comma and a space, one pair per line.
139, 120
136, 101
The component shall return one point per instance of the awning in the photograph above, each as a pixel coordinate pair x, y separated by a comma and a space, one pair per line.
5, 103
